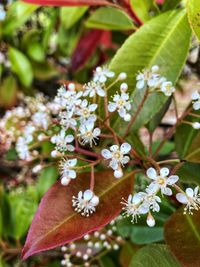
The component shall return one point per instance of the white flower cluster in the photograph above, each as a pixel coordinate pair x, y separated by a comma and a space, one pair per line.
146, 202
91, 245
152, 80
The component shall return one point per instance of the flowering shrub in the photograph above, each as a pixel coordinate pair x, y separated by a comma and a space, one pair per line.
97, 153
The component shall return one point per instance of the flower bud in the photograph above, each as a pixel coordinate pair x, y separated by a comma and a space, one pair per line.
150, 220
123, 87
122, 76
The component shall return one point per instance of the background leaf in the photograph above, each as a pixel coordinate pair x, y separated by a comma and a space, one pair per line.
56, 223
182, 234
154, 256
70, 15
170, 30
17, 15
21, 66
193, 9
109, 18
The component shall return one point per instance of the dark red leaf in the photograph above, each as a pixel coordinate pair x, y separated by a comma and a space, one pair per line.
85, 48
56, 223
182, 234
70, 2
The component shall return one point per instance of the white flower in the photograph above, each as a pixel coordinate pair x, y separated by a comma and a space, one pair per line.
67, 170
93, 88
150, 202
62, 141
191, 198
161, 181
117, 156
41, 119
196, 100
85, 203
167, 88
147, 78
196, 125
121, 104
132, 206
88, 134
85, 111
22, 149
68, 99
28, 133
102, 73
66, 120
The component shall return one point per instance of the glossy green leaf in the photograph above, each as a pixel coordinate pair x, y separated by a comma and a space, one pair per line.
187, 140
154, 256
170, 4
70, 15
189, 173
18, 13
8, 92
193, 9
155, 42
142, 8
21, 66
193, 154
106, 261
109, 18
182, 234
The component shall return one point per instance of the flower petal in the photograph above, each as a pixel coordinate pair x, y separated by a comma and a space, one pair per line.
182, 198
164, 172
151, 173
88, 194
172, 179
125, 148
189, 192
106, 153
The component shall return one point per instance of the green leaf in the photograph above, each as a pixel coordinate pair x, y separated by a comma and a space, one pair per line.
106, 261
109, 18
18, 13
182, 234
21, 66
154, 256
189, 173
70, 15
46, 179
139, 234
155, 42
187, 140
193, 9
193, 154
8, 92
142, 8
22, 208
170, 4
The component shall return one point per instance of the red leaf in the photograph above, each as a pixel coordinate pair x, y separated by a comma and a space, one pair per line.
56, 223
160, 2
71, 2
182, 235
85, 48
